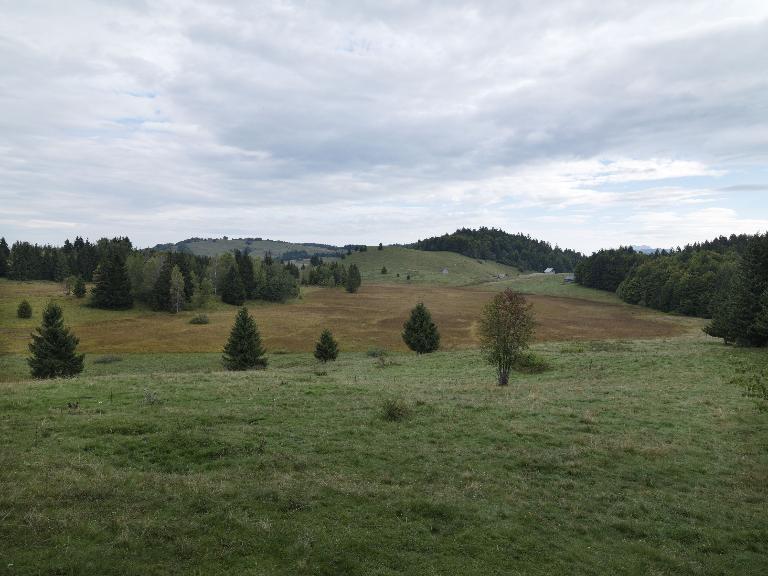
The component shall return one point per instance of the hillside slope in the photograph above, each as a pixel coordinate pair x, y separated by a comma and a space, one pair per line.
425, 267
257, 247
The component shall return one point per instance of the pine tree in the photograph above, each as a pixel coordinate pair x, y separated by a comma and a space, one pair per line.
326, 348
5, 253
383, 269
113, 287
244, 350
353, 279
233, 291
381, 246
54, 347
420, 332
161, 291
245, 267
79, 288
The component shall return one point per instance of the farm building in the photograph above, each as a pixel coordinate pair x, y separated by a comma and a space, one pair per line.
549, 271
569, 279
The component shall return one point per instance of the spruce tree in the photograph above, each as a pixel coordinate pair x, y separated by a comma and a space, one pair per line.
233, 291
420, 332
79, 288
326, 349
353, 279
245, 267
244, 350
113, 287
161, 291
53, 347
5, 253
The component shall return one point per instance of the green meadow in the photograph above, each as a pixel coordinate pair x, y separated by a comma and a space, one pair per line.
625, 457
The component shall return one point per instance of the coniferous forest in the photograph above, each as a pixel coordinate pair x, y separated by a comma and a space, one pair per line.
519, 250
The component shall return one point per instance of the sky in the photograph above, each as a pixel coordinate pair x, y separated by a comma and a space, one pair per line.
585, 123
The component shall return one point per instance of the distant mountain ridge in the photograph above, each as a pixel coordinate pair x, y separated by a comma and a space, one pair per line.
255, 246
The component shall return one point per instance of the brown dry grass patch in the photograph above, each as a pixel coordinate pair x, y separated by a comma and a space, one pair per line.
371, 318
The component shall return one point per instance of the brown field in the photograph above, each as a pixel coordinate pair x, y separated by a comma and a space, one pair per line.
371, 318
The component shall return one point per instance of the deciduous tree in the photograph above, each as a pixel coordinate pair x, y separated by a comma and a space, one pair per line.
506, 329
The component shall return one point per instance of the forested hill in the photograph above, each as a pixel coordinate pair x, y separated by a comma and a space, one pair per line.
517, 250
690, 280
254, 246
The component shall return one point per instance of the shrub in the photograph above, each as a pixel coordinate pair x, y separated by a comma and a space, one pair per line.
384, 270
24, 310
395, 410
53, 347
326, 348
754, 384
244, 350
200, 319
107, 359
420, 332
530, 364
376, 352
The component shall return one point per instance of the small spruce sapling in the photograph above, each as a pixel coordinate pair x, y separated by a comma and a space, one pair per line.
244, 350
326, 349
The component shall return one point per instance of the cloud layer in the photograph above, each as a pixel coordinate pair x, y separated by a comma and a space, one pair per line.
585, 123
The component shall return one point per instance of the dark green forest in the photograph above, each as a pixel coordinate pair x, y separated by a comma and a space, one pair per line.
519, 250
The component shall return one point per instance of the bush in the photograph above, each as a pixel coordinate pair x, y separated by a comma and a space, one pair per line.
754, 384
200, 319
376, 352
529, 363
395, 410
24, 310
107, 359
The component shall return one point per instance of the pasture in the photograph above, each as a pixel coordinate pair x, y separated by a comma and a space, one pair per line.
371, 318
624, 458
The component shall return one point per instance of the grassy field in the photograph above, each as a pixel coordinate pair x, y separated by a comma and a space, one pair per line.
371, 318
425, 267
624, 458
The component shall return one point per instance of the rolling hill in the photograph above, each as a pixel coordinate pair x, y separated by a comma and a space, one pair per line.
255, 246
426, 267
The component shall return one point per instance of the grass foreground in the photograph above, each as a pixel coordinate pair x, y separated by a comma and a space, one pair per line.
624, 458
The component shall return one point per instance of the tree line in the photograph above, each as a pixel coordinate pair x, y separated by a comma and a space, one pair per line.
519, 250
725, 279
26, 261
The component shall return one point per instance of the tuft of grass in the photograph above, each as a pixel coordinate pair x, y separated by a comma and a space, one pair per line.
200, 319
395, 410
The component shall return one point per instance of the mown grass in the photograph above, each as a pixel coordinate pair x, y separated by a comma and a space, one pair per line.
425, 267
623, 458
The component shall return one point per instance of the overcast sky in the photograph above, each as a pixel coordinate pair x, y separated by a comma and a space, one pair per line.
586, 123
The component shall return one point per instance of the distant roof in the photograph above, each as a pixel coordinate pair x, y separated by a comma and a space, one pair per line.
549, 270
